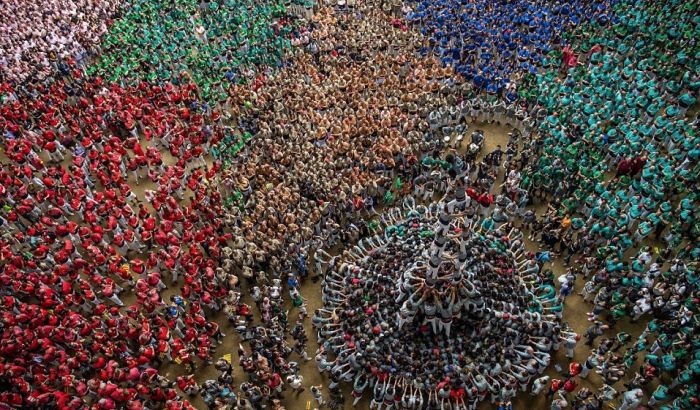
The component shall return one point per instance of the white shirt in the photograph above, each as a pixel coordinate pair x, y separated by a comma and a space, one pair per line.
295, 381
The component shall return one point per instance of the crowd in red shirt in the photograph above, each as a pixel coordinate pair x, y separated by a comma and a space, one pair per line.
74, 235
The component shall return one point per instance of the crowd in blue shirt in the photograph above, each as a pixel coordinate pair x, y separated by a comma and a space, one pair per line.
490, 42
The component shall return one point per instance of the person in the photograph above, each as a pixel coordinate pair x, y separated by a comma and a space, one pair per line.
554, 387
659, 395
594, 331
590, 364
570, 344
539, 385
631, 399
560, 403
317, 394
295, 382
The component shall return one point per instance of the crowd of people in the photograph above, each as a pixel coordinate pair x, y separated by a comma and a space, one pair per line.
76, 238
444, 308
493, 43
623, 109
142, 196
38, 39
217, 42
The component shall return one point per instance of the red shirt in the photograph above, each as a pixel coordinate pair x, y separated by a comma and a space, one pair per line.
570, 385
556, 385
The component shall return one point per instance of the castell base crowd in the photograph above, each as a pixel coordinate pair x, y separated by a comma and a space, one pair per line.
349, 204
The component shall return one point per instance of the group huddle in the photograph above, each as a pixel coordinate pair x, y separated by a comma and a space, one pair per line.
176, 173
443, 308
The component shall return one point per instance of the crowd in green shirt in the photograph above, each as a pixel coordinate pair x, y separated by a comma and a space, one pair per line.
627, 101
215, 42
617, 148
